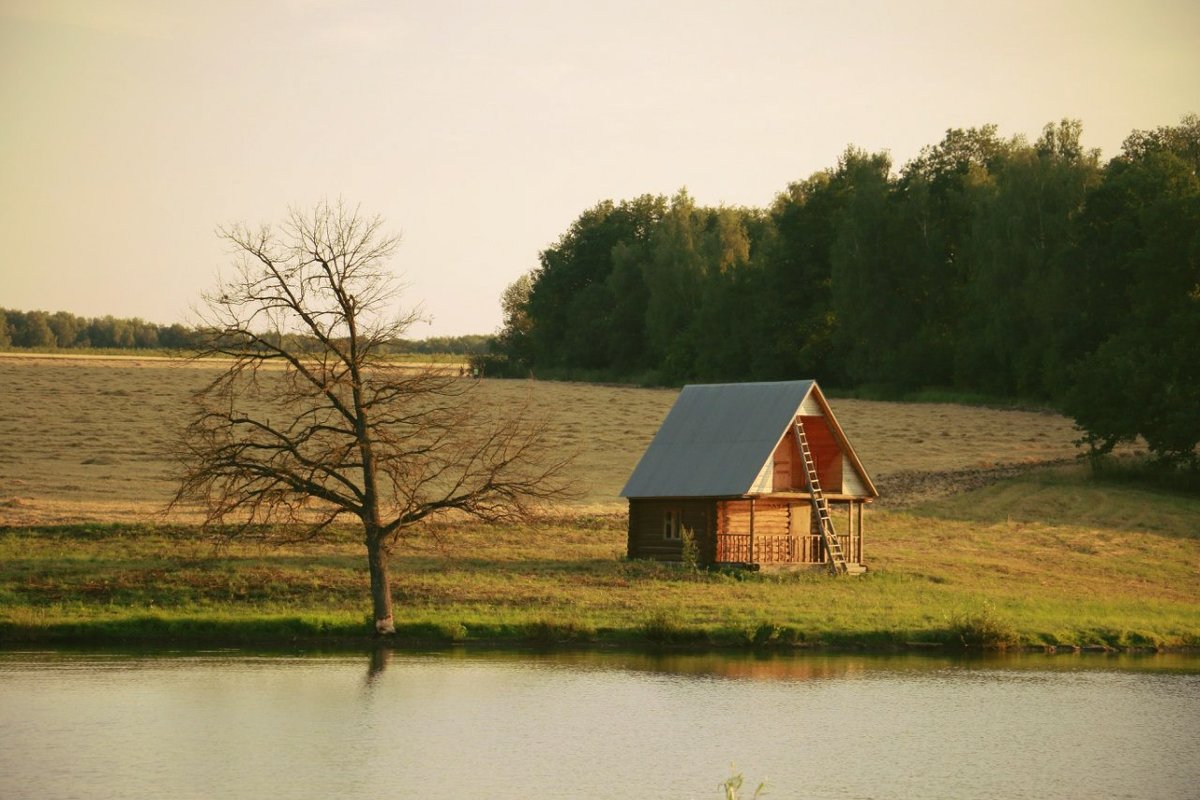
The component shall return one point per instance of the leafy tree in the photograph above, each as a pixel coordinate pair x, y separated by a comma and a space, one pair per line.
32, 329
696, 256
869, 287
724, 341
1143, 262
145, 334
515, 305
627, 348
510, 351
792, 322
571, 302
309, 423
1143, 382
936, 198
177, 336
66, 327
109, 331
673, 279
1023, 315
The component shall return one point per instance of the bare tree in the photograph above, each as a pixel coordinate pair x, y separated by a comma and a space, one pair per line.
309, 423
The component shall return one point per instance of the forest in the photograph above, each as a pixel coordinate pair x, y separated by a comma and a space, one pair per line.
998, 266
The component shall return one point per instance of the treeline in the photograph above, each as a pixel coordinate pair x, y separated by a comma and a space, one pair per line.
987, 265
42, 330
63, 330
469, 345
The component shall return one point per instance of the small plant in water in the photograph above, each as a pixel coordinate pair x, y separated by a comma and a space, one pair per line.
763, 633
454, 631
733, 784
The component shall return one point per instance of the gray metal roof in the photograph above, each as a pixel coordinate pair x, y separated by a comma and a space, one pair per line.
716, 439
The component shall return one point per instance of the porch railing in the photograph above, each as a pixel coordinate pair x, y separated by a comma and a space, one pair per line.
735, 548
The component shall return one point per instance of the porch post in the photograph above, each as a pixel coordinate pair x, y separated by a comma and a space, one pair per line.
791, 534
850, 529
750, 555
860, 531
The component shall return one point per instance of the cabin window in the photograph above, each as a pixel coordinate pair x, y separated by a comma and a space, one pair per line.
671, 524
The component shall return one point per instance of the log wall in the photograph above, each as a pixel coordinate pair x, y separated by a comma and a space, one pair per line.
647, 519
783, 530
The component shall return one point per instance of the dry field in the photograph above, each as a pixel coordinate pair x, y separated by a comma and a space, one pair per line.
88, 438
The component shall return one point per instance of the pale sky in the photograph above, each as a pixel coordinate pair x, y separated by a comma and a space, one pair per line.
131, 129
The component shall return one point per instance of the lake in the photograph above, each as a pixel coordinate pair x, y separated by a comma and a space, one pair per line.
466, 724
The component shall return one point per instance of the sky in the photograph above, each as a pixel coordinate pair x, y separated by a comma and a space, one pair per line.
130, 130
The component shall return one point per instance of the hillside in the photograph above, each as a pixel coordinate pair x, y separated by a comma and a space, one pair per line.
90, 438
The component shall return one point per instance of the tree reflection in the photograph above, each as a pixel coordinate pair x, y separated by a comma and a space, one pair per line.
381, 657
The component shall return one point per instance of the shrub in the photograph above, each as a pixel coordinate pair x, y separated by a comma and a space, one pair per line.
983, 628
546, 632
690, 553
666, 626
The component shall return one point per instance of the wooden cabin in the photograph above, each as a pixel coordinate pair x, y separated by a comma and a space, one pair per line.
756, 474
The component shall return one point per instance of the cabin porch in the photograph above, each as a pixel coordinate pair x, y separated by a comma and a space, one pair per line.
776, 531
767, 532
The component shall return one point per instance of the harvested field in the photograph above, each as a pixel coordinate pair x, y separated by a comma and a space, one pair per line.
89, 438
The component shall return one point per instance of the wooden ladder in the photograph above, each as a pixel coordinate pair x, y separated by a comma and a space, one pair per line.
833, 547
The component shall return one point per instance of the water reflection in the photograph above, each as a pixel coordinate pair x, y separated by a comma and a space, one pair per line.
381, 656
822, 665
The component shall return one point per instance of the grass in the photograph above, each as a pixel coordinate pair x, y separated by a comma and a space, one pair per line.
1147, 473
939, 395
1051, 558
91, 439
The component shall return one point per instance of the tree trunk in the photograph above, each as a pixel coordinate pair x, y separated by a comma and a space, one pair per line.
381, 589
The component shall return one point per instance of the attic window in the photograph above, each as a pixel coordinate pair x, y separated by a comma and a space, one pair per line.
671, 524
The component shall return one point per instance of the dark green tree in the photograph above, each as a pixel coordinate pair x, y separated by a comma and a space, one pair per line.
1142, 262
792, 321
871, 305
67, 328
674, 278
571, 302
627, 352
32, 329
1022, 312
936, 199
724, 339
513, 341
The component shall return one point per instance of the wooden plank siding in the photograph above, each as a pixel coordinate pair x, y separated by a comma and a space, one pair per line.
788, 468
825, 452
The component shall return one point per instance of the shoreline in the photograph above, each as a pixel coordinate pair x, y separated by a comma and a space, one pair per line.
285, 633
523, 644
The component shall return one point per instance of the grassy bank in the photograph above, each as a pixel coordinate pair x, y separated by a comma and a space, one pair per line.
1047, 559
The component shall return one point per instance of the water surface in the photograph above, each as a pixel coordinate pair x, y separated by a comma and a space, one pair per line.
595, 725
